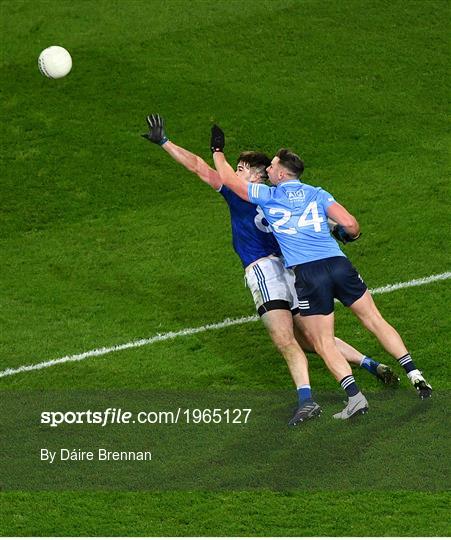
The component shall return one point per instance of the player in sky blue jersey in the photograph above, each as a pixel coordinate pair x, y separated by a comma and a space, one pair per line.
272, 285
298, 215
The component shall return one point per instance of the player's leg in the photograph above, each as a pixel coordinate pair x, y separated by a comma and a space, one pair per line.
273, 301
382, 372
279, 324
351, 290
372, 320
314, 287
267, 282
353, 356
321, 330
369, 315
303, 340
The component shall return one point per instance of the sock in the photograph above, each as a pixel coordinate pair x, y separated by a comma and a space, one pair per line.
304, 393
407, 363
369, 364
349, 385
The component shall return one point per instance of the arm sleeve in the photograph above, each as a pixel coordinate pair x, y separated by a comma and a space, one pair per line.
259, 193
325, 198
224, 191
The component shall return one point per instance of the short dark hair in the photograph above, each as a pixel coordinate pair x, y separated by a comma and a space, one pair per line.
291, 161
256, 160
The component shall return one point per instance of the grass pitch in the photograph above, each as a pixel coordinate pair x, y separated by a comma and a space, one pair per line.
104, 239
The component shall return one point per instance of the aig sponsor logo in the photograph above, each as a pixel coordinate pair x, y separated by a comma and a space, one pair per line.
297, 195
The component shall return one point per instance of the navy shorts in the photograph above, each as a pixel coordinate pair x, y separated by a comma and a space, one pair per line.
319, 282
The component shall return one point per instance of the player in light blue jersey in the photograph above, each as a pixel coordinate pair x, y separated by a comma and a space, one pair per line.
298, 215
271, 284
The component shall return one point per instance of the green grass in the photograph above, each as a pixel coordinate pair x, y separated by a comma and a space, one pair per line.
228, 514
104, 239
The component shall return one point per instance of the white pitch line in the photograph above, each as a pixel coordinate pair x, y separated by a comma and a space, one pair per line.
412, 283
191, 331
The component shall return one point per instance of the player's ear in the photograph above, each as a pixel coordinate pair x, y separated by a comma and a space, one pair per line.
256, 176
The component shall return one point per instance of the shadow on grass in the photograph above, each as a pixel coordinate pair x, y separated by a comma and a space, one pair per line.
223, 441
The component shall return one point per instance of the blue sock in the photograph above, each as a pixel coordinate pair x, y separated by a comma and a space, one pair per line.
304, 393
349, 385
369, 364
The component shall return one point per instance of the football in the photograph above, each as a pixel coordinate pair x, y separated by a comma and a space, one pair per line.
55, 62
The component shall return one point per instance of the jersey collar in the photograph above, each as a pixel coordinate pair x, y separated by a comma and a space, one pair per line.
295, 182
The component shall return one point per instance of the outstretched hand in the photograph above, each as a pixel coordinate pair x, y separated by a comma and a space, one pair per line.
156, 132
217, 141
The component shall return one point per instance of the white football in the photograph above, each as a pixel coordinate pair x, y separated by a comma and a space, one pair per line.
55, 62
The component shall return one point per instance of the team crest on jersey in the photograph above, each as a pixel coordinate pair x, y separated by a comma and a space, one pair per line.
297, 195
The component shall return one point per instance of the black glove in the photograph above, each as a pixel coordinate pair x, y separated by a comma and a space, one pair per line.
156, 129
339, 233
217, 141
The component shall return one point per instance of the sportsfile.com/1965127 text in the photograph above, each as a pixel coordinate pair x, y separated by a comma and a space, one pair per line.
113, 415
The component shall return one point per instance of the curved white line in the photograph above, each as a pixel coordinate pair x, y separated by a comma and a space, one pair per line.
191, 331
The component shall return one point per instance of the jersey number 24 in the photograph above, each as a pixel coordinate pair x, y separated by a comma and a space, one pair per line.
304, 221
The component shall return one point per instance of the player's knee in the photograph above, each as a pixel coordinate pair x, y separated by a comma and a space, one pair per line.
283, 339
323, 344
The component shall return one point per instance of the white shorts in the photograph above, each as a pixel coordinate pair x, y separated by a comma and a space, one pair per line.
272, 285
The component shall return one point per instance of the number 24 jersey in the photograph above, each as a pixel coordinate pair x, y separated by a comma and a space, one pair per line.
297, 214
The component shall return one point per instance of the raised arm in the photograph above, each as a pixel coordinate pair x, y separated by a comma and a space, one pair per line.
225, 170
190, 161
193, 163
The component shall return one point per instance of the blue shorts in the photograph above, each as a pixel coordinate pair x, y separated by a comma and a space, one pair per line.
319, 282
